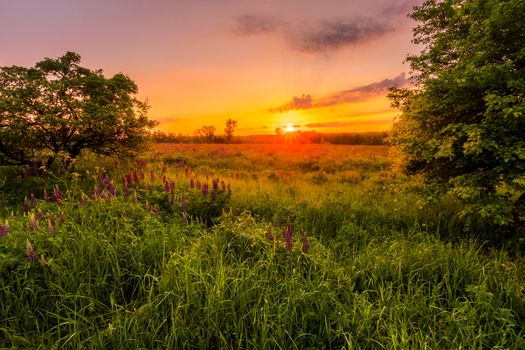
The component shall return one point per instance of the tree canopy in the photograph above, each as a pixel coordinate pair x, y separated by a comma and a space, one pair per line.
462, 126
58, 107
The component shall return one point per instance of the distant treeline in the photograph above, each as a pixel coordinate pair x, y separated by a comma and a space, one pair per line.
353, 138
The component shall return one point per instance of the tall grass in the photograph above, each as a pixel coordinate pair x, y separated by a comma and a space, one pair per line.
176, 268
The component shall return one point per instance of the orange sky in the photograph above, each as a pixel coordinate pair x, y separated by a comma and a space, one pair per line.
319, 65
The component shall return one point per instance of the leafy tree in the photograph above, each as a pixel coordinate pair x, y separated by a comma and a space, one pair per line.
463, 124
58, 107
207, 133
230, 129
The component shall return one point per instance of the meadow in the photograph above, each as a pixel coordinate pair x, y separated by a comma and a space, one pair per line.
274, 246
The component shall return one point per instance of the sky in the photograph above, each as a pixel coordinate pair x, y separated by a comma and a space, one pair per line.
322, 65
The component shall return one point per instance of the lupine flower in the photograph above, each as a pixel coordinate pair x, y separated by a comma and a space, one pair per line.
181, 205
4, 229
30, 252
213, 195
33, 199
40, 214
288, 236
166, 186
26, 206
51, 228
135, 176
135, 198
306, 242
126, 190
205, 189
83, 199
46, 197
172, 186
223, 186
128, 178
192, 184
215, 184
199, 185
142, 176
36, 167
96, 194
33, 224
57, 194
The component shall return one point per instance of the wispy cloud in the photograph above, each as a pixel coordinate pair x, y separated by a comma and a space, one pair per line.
328, 35
357, 94
338, 33
257, 24
342, 124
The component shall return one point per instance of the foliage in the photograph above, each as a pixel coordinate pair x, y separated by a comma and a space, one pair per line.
206, 133
462, 124
229, 129
59, 108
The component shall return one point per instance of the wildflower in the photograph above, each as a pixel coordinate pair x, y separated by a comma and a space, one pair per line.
305, 241
33, 224
135, 176
30, 252
151, 176
172, 186
126, 190
213, 195
166, 186
46, 197
33, 199
96, 194
128, 178
215, 184
205, 189
26, 206
135, 198
199, 185
4, 229
61, 217
192, 184
51, 225
223, 186
288, 235
57, 194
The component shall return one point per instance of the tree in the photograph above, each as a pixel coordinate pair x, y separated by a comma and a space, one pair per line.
463, 124
230, 129
207, 133
58, 107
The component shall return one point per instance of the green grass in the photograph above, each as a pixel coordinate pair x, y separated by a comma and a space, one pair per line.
205, 275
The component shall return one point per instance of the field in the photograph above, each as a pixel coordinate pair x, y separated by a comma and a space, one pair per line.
248, 247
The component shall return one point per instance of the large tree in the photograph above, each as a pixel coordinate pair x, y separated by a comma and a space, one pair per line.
58, 108
229, 129
463, 124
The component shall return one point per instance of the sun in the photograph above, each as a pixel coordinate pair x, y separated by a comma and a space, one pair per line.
289, 127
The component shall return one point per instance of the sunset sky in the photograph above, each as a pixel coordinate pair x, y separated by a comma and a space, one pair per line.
320, 65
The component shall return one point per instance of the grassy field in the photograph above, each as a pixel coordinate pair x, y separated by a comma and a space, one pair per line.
249, 247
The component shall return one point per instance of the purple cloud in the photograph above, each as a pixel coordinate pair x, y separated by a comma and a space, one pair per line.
353, 95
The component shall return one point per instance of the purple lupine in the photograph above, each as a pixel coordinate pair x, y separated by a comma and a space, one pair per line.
305, 241
57, 194
4, 229
129, 179
96, 194
199, 185
126, 190
223, 186
46, 197
40, 214
213, 195
36, 167
33, 199
33, 224
205, 189
26, 206
142, 176
135, 176
288, 237
83, 199
172, 186
215, 184
192, 183
51, 225
166, 186
181, 204
30, 252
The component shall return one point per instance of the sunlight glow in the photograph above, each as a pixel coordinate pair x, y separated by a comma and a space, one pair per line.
289, 128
